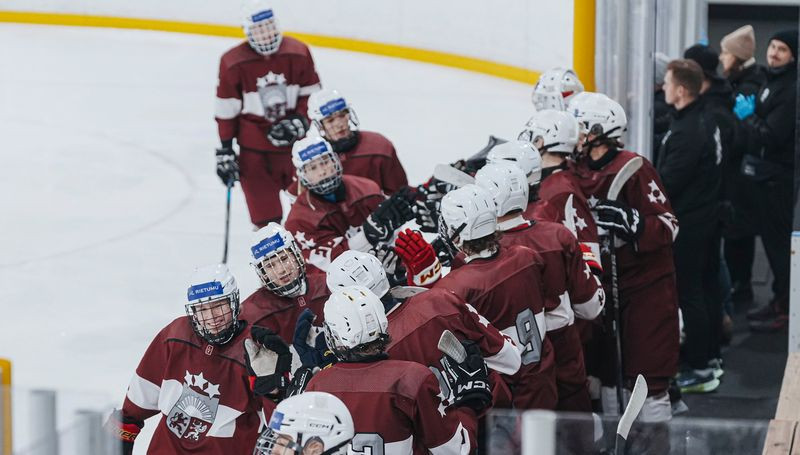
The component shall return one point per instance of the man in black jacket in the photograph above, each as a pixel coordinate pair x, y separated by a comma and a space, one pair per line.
768, 119
689, 167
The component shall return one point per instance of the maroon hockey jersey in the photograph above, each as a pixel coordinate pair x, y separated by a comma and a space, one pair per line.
374, 158
507, 290
324, 229
201, 390
397, 408
255, 91
540, 210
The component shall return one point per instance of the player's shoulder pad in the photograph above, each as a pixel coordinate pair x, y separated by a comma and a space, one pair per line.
372, 143
179, 329
293, 46
239, 54
443, 301
410, 376
360, 187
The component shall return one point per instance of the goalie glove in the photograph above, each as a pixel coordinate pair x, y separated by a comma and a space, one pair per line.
268, 362
422, 265
388, 216
317, 356
287, 130
227, 164
125, 429
468, 380
623, 220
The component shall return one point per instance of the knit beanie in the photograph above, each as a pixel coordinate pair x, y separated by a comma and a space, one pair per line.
707, 58
788, 37
740, 42
661, 67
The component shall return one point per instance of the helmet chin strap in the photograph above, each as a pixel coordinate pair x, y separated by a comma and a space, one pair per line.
599, 139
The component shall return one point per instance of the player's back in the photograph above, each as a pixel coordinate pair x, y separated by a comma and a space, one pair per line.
396, 407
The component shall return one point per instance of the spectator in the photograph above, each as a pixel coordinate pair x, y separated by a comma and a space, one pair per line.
746, 78
768, 120
662, 112
688, 166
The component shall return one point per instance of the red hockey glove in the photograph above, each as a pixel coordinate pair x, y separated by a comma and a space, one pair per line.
591, 260
419, 258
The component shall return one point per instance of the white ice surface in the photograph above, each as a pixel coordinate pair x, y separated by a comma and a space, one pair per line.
108, 195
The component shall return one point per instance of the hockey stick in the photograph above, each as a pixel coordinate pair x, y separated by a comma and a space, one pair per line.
227, 222
635, 404
451, 175
449, 344
624, 174
481, 155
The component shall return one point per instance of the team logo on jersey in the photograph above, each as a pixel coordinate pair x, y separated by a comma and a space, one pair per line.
656, 195
272, 92
195, 411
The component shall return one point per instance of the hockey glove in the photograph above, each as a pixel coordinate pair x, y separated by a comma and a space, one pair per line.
395, 272
288, 130
268, 361
227, 165
469, 380
311, 356
443, 252
390, 215
623, 220
302, 376
125, 429
422, 265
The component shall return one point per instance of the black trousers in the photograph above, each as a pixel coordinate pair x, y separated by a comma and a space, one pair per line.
696, 253
775, 228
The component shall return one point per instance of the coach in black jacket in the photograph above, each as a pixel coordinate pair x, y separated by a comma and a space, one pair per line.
689, 167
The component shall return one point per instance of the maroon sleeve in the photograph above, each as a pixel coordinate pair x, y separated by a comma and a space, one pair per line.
307, 79
229, 101
644, 192
141, 400
584, 288
394, 176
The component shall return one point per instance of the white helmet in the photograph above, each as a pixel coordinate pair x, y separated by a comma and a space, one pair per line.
261, 27
354, 316
277, 260
507, 184
213, 303
311, 422
467, 213
551, 131
555, 88
318, 166
356, 268
598, 114
524, 154
326, 102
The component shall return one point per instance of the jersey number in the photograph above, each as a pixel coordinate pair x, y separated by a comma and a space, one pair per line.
367, 443
529, 336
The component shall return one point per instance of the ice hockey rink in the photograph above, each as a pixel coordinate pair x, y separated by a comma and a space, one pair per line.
109, 196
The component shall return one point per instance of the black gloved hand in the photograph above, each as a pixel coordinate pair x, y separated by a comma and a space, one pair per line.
123, 428
443, 252
390, 215
311, 356
302, 376
287, 130
623, 220
468, 380
268, 362
227, 165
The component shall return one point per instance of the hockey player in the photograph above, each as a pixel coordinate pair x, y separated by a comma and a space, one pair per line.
645, 227
555, 88
397, 406
363, 153
569, 288
505, 286
194, 375
555, 135
286, 288
312, 423
262, 97
527, 157
335, 212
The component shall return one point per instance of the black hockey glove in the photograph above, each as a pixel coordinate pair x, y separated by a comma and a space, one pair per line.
227, 165
124, 429
390, 215
287, 130
392, 265
623, 220
442, 251
268, 362
302, 376
319, 355
469, 380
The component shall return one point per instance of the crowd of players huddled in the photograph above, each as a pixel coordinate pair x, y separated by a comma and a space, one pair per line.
362, 274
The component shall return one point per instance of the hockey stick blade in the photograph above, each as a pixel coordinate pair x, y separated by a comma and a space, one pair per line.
451, 175
481, 155
449, 344
635, 404
405, 292
624, 174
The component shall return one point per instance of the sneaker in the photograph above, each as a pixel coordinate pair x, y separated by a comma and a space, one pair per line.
697, 381
716, 368
775, 324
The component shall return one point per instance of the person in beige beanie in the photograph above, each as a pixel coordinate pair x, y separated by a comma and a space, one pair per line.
738, 48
